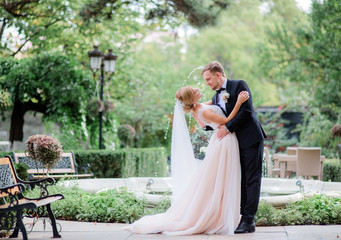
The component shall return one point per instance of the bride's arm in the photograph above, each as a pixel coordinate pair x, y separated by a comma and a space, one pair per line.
214, 117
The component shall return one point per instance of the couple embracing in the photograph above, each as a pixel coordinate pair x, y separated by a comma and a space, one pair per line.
220, 194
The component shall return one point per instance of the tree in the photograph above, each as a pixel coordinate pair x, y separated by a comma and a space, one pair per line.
70, 26
50, 84
31, 18
309, 56
199, 13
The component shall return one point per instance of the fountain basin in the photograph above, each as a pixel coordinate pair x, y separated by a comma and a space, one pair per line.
277, 191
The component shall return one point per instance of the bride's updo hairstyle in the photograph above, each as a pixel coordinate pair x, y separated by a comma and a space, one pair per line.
186, 96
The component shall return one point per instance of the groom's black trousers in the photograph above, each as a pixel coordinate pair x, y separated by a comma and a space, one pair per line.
251, 159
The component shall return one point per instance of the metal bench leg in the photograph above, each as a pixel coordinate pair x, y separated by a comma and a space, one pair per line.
15, 233
53, 222
21, 226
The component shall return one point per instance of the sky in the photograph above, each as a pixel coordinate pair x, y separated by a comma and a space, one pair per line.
305, 5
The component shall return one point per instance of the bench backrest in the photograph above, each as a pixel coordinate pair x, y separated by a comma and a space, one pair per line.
7, 175
65, 165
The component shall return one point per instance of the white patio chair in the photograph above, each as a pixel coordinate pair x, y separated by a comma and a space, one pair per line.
309, 162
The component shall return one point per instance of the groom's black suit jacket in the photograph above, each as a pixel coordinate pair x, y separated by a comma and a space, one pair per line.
245, 124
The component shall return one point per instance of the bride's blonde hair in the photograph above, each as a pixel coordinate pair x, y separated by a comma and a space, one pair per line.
186, 96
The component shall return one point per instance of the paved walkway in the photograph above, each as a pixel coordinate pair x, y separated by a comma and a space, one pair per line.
104, 231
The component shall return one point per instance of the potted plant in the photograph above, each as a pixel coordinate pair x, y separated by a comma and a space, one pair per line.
44, 149
94, 106
126, 134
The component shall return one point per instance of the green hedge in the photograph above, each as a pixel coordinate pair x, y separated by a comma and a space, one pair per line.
332, 171
141, 162
103, 164
145, 162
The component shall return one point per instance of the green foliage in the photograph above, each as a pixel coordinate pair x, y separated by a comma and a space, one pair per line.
119, 205
265, 212
316, 132
48, 83
162, 66
198, 13
103, 163
21, 169
58, 26
3, 154
332, 170
277, 139
147, 162
70, 26
163, 205
320, 209
114, 205
200, 140
308, 55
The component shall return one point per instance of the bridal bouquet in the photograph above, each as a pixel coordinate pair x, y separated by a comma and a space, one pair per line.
44, 149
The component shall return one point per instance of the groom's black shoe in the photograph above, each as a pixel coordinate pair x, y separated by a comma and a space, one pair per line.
245, 227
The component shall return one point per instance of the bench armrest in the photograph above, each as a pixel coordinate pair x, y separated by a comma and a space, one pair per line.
42, 183
35, 182
7, 190
14, 193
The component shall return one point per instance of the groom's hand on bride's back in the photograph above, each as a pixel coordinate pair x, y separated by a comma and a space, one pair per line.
222, 132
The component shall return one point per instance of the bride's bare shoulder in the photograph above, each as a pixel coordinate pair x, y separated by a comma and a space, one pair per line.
208, 103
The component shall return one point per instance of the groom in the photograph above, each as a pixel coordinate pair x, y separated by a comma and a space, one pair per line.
250, 137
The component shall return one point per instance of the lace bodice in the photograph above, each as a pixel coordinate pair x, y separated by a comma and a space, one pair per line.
215, 109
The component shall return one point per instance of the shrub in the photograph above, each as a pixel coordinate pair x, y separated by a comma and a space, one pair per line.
320, 209
126, 134
331, 171
336, 130
3, 154
277, 135
265, 212
21, 169
109, 206
145, 162
316, 131
103, 163
119, 205
44, 149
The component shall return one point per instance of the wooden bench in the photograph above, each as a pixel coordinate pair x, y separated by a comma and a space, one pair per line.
14, 205
66, 167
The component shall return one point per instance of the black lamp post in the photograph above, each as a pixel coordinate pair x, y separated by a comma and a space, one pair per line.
107, 64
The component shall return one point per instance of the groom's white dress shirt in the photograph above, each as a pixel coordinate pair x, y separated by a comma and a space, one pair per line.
221, 101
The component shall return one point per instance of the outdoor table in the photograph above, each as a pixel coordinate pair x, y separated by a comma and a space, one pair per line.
284, 159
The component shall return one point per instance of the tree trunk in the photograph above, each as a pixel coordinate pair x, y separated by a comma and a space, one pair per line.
16, 132
17, 118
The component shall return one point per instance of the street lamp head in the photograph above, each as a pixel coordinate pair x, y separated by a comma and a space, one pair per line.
109, 62
95, 59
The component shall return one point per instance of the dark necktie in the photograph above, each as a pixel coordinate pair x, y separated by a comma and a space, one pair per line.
221, 89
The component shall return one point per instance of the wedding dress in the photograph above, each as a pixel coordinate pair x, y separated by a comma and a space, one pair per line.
208, 201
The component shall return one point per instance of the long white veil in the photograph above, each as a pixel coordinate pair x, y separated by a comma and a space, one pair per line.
183, 162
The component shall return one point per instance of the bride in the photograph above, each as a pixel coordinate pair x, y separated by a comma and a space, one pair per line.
205, 194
